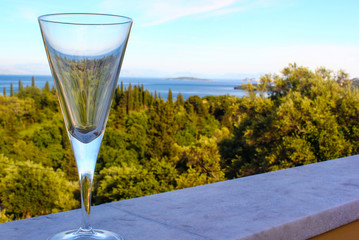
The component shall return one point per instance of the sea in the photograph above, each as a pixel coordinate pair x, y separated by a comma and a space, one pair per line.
187, 88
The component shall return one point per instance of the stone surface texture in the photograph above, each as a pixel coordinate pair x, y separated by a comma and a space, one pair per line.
295, 203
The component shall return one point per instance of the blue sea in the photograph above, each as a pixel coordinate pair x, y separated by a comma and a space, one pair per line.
161, 85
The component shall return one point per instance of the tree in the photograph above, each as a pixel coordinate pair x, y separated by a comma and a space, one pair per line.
129, 99
121, 89
297, 125
4, 92
11, 90
203, 162
197, 104
136, 127
169, 97
180, 100
32, 81
47, 87
136, 101
20, 85
342, 78
29, 189
186, 135
16, 113
286, 120
161, 130
4, 217
140, 96
117, 182
23, 151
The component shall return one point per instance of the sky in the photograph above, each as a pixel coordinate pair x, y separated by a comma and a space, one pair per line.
226, 39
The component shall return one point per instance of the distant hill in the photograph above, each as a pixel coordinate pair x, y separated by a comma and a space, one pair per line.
190, 79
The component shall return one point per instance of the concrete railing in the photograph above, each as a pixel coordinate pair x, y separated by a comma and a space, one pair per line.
296, 203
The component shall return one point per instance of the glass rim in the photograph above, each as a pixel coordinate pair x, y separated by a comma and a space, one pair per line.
125, 20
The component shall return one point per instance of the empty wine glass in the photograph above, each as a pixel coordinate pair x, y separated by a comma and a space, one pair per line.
85, 53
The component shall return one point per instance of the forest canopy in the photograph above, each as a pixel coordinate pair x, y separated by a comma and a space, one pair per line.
152, 145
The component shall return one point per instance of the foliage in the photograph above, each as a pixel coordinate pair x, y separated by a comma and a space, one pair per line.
29, 189
152, 145
300, 122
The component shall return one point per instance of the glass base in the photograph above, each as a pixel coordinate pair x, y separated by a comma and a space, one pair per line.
93, 234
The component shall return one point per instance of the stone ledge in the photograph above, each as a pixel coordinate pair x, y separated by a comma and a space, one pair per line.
296, 203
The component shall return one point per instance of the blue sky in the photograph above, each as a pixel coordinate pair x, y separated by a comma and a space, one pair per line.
201, 38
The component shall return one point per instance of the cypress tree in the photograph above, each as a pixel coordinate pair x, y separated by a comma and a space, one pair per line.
32, 81
155, 95
180, 100
47, 87
20, 85
121, 91
143, 95
11, 90
140, 96
129, 98
145, 98
169, 97
116, 98
4, 91
135, 97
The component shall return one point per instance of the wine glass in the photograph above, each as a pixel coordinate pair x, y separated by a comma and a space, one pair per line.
85, 53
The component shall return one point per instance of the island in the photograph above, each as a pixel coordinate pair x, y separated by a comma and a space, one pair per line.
190, 79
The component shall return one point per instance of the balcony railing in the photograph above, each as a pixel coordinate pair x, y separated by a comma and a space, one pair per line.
296, 203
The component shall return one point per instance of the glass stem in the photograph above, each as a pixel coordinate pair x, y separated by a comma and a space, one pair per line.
86, 155
86, 180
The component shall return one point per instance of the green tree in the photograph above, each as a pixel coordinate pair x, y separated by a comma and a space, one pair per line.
29, 189
20, 85
342, 78
4, 217
133, 180
298, 124
161, 130
136, 126
169, 97
180, 100
186, 135
152, 146
11, 90
32, 81
203, 162
121, 89
136, 102
23, 151
33, 93
4, 92
46, 87
129, 99
122, 182
16, 113
197, 103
